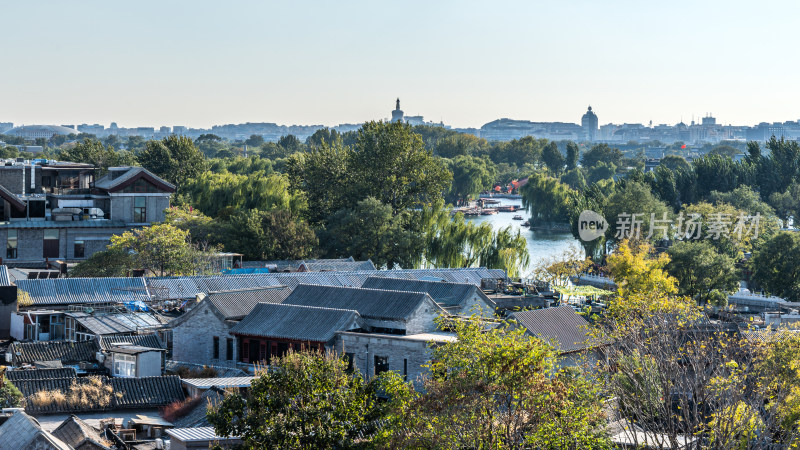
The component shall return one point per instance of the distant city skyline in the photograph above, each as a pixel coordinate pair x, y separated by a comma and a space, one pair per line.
203, 63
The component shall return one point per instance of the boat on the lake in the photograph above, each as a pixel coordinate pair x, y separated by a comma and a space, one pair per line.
488, 212
517, 217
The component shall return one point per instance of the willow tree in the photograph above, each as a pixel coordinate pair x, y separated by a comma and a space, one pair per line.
548, 200
455, 242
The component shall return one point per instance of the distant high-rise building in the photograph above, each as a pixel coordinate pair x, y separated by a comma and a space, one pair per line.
708, 120
397, 114
590, 123
5, 126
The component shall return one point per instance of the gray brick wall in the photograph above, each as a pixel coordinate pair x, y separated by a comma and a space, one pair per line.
192, 340
30, 244
366, 346
421, 321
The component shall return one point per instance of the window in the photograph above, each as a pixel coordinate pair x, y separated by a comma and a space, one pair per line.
381, 364
50, 247
79, 249
229, 349
11, 244
216, 347
124, 365
140, 209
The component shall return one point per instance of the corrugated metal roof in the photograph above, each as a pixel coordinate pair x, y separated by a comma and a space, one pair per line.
115, 323
197, 434
220, 382
560, 325
337, 266
302, 323
239, 303
370, 303
5, 279
66, 291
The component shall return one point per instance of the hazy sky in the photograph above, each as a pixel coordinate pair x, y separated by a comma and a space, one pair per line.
198, 63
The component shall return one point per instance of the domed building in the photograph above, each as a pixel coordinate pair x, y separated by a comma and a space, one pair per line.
590, 124
40, 131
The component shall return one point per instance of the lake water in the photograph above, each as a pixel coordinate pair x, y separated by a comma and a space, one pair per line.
541, 244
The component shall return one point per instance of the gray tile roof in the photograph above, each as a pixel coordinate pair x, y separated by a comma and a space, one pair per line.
149, 392
115, 323
370, 303
64, 351
68, 291
139, 340
40, 374
302, 323
237, 304
12, 198
197, 416
107, 183
189, 287
444, 293
23, 431
75, 432
560, 325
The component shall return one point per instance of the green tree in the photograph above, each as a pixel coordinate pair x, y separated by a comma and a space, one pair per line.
211, 192
370, 230
775, 265
633, 197
106, 263
601, 171
394, 167
471, 176
324, 175
270, 235
10, 396
305, 400
575, 179
92, 151
162, 250
552, 158
547, 199
743, 198
174, 158
459, 145
326, 135
573, 153
255, 140
702, 273
601, 153
496, 387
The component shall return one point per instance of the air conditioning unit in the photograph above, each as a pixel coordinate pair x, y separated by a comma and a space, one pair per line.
100, 357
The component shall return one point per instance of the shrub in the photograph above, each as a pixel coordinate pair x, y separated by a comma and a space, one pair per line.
179, 408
